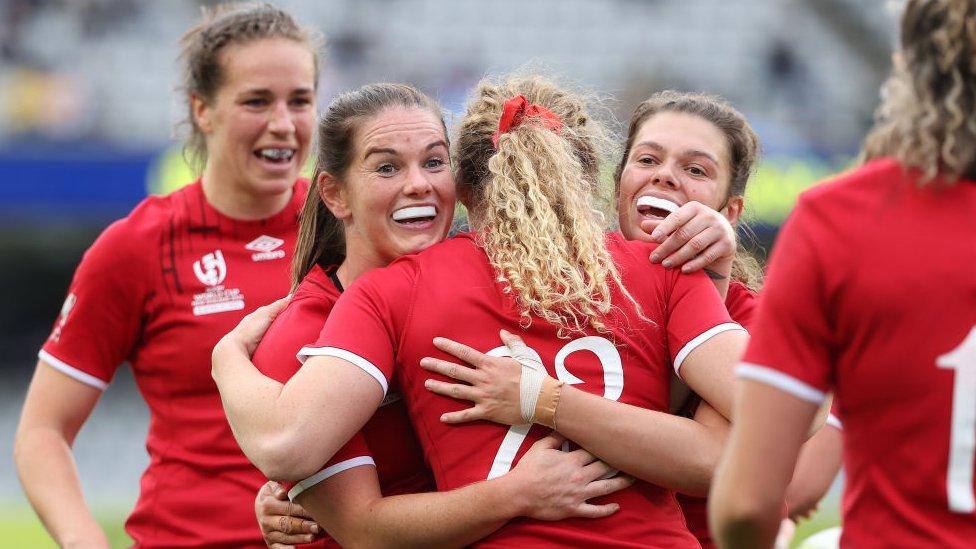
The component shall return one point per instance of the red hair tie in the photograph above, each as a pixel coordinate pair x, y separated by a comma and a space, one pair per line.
517, 110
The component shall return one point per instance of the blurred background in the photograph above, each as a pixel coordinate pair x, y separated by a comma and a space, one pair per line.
89, 124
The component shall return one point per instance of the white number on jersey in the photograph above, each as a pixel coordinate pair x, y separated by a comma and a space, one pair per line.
613, 382
962, 434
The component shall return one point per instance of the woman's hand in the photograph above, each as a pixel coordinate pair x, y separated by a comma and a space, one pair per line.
557, 485
490, 382
283, 524
693, 237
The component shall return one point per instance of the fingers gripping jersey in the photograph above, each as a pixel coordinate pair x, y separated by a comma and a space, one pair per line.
871, 293
385, 324
386, 441
158, 289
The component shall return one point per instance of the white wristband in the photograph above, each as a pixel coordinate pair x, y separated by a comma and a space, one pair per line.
533, 374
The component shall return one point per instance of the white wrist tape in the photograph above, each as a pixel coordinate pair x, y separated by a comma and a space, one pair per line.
533, 374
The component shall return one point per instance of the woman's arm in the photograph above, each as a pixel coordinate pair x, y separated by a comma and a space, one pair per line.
746, 502
546, 484
662, 448
289, 430
55, 409
817, 467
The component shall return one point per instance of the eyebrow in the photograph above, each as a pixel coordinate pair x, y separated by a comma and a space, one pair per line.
266, 91
690, 152
377, 150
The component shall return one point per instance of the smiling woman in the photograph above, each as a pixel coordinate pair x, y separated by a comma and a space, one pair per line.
158, 288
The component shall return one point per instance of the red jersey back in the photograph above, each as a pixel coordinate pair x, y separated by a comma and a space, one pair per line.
385, 324
387, 440
871, 292
158, 289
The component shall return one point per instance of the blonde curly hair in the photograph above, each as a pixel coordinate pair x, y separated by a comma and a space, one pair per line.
926, 118
534, 195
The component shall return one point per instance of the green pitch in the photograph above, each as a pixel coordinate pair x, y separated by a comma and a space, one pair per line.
19, 527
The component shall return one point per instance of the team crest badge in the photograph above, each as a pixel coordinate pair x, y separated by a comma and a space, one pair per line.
211, 270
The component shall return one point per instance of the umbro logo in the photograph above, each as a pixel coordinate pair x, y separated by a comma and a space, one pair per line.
266, 248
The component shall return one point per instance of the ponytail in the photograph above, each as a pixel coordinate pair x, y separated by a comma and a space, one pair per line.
321, 240
543, 236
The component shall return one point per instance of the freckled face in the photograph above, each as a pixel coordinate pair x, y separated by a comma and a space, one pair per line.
400, 190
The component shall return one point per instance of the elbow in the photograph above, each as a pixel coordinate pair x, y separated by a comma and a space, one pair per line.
283, 457
20, 447
700, 479
742, 521
703, 465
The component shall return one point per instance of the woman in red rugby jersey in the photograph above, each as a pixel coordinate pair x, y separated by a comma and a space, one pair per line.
159, 287
891, 333
686, 163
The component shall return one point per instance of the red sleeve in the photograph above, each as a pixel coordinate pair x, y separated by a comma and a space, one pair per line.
741, 303
791, 343
277, 358
354, 454
296, 326
696, 313
101, 320
367, 321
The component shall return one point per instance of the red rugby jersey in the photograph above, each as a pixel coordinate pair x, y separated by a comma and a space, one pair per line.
386, 321
871, 293
158, 289
386, 441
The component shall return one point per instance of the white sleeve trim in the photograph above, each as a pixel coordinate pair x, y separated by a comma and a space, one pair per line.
701, 338
834, 422
353, 358
71, 371
781, 381
329, 472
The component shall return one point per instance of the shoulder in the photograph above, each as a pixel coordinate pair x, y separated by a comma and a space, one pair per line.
126, 240
632, 259
855, 189
452, 257
741, 303
739, 292
315, 290
156, 213
626, 252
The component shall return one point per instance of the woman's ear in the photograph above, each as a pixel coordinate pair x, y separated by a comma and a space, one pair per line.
333, 195
201, 113
733, 209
